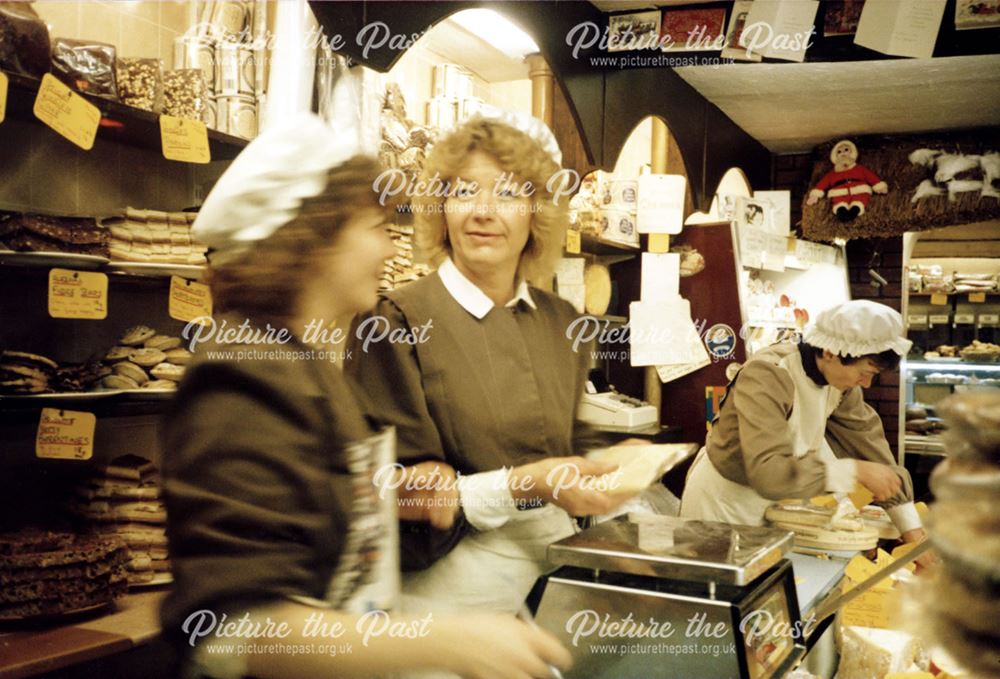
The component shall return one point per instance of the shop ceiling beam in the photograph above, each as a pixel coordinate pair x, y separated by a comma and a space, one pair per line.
607, 102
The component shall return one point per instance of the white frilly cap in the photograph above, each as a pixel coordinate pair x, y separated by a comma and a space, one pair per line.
858, 328
263, 189
530, 125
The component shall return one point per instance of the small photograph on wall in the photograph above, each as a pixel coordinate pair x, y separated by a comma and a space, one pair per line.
693, 30
971, 14
750, 212
842, 17
636, 31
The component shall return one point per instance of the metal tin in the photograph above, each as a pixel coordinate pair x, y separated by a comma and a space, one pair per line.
195, 52
239, 115
441, 113
210, 115
469, 107
229, 18
259, 72
247, 67
227, 69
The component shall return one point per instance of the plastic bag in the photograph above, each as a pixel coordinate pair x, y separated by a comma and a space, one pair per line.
86, 66
140, 83
184, 93
24, 40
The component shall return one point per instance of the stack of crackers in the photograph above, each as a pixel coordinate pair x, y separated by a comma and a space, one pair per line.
50, 573
151, 236
123, 499
401, 269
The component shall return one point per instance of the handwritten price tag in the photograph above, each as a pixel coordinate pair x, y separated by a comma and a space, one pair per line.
939, 299
659, 242
974, 297
3, 96
67, 112
184, 140
78, 294
65, 435
189, 300
573, 242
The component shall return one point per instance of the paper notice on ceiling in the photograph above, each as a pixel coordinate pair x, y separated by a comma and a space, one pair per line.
661, 203
778, 206
734, 33
660, 277
902, 28
662, 333
760, 249
808, 252
780, 29
669, 373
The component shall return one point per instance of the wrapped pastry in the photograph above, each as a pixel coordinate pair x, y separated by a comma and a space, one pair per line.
24, 40
86, 66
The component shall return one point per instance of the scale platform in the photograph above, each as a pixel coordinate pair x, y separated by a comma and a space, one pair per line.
666, 597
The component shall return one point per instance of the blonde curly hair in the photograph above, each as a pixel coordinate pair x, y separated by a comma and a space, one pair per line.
516, 153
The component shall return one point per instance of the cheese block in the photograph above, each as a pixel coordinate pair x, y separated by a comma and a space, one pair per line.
867, 652
597, 280
639, 466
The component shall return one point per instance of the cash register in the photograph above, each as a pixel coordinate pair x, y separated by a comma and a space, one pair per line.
655, 596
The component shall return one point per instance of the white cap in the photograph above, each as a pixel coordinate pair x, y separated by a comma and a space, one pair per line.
263, 189
858, 328
530, 125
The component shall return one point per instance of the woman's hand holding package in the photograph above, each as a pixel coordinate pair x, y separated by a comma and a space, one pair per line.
428, 491
576, 484
882, 480
500, 647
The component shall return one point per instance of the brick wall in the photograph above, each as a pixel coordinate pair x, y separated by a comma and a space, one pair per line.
792, 172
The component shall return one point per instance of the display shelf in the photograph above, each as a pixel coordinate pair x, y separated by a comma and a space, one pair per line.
120, 123
958, 366
134, 620
991, 293
13, 408
593, 245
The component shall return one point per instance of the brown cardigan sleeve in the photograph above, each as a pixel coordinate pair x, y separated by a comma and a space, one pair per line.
854, 430
250, 485
389, 374
762, 397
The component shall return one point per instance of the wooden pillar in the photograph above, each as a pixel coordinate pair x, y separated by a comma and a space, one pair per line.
542, 84
658, 165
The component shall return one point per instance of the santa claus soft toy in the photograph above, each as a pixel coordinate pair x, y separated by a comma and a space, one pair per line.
849, 185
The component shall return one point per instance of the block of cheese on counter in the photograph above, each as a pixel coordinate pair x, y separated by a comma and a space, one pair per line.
639, 466
869, 652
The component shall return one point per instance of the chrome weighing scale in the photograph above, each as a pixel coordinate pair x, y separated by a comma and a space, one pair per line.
657, 596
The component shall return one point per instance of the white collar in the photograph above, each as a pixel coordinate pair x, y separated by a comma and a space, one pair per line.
470, 297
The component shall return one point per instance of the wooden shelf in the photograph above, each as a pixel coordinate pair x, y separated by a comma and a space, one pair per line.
597, 246
120, 124
134, 620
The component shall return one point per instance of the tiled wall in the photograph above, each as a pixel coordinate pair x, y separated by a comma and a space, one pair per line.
144, 28
792, 172
41, 171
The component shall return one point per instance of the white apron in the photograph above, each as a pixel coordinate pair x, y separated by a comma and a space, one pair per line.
709, 496
492, 571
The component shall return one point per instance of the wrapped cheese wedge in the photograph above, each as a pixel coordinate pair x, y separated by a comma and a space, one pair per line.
639, 466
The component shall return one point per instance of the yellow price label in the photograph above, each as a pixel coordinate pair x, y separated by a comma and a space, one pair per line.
974, 297
67, 112
939, 298
659, 242
3, 96
184, 140
78, 294
65, 435
573, 242
868, 610
189, 300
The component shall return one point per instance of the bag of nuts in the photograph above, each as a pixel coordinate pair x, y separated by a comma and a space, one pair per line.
140, 83
184, 93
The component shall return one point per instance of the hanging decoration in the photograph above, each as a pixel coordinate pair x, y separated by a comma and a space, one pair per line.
928, 181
